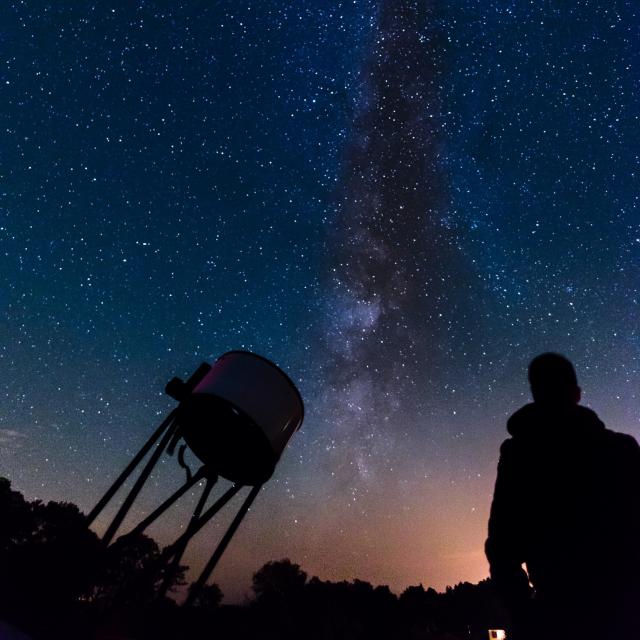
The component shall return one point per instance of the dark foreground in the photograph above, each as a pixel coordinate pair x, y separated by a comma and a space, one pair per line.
59, 581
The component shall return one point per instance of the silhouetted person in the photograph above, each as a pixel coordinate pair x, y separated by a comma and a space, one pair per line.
567, 504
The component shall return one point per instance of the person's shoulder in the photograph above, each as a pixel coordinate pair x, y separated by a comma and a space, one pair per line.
622, 441
507, 446
619, 455
510, 448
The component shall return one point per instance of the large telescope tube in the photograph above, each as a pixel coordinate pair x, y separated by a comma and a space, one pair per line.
240, 416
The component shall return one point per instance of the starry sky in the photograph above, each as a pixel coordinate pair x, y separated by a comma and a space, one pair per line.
398, 201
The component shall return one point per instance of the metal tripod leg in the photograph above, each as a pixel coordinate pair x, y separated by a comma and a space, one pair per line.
135, 490
102, 503
172, 549
175, 562
222, 545
154, 515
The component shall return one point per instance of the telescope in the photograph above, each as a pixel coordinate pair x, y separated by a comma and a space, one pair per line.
236, 416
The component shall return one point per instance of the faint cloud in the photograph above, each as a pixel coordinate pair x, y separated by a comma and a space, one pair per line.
11, 437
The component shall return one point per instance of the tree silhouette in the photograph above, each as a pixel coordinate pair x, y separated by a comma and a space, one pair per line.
16, 521
279, 588
58, 580
48, 557
209, 598
132, 573
418, 609
54, 569
279, 579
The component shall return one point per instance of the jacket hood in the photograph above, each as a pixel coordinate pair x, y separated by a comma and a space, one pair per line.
535, 420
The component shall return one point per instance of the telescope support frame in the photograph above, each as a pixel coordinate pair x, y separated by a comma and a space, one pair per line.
166, 436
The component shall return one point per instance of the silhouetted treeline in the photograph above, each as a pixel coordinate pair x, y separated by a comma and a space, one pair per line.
58, 580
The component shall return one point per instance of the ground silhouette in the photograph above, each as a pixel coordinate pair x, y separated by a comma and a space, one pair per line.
58, 581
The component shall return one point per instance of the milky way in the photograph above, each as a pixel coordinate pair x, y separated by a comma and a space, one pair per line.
398, 202
399, 294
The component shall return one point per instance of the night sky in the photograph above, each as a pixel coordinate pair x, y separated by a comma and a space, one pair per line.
399, 202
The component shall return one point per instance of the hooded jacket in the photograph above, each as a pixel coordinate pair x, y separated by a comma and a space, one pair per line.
566, 504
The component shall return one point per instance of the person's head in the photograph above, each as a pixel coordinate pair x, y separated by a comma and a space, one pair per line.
553, 380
